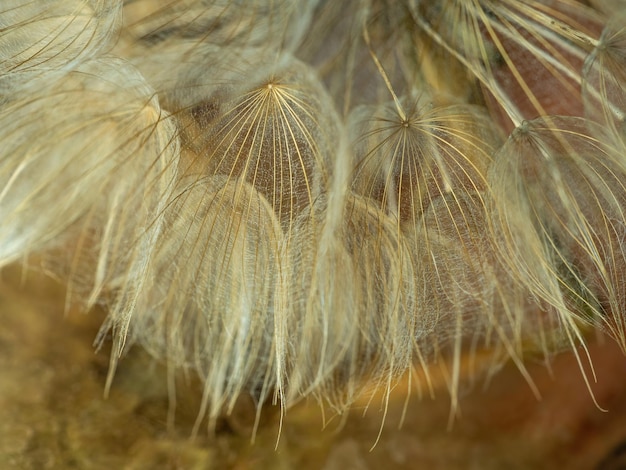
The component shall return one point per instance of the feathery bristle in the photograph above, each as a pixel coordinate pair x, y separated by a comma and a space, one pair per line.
105, 165
240, 23
209, 302
278, 135
410, 156
604, 77
559, 200
520, 52
56, 34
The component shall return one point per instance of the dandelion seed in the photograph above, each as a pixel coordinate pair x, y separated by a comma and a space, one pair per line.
407, 162
55, 34
78, 160
339, 319
277, 137
209, 304
476, 301
605, 74
559, 201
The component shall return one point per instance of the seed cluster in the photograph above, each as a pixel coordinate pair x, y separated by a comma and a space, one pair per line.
289, 198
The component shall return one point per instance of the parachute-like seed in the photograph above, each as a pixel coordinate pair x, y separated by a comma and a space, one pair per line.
559, 200
278, 134
244, 112
55, 34
107, 165
604, 74
477, 305
409, 156
360, 321
210, 301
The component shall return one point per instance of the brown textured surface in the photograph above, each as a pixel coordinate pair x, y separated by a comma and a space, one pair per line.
53, 415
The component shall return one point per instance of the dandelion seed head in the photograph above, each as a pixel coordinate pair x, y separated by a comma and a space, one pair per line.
294, 199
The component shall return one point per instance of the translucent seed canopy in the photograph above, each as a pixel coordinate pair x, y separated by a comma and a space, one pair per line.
79, 156
408, 158
604, 74
55, 34
559, 199
213, 285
